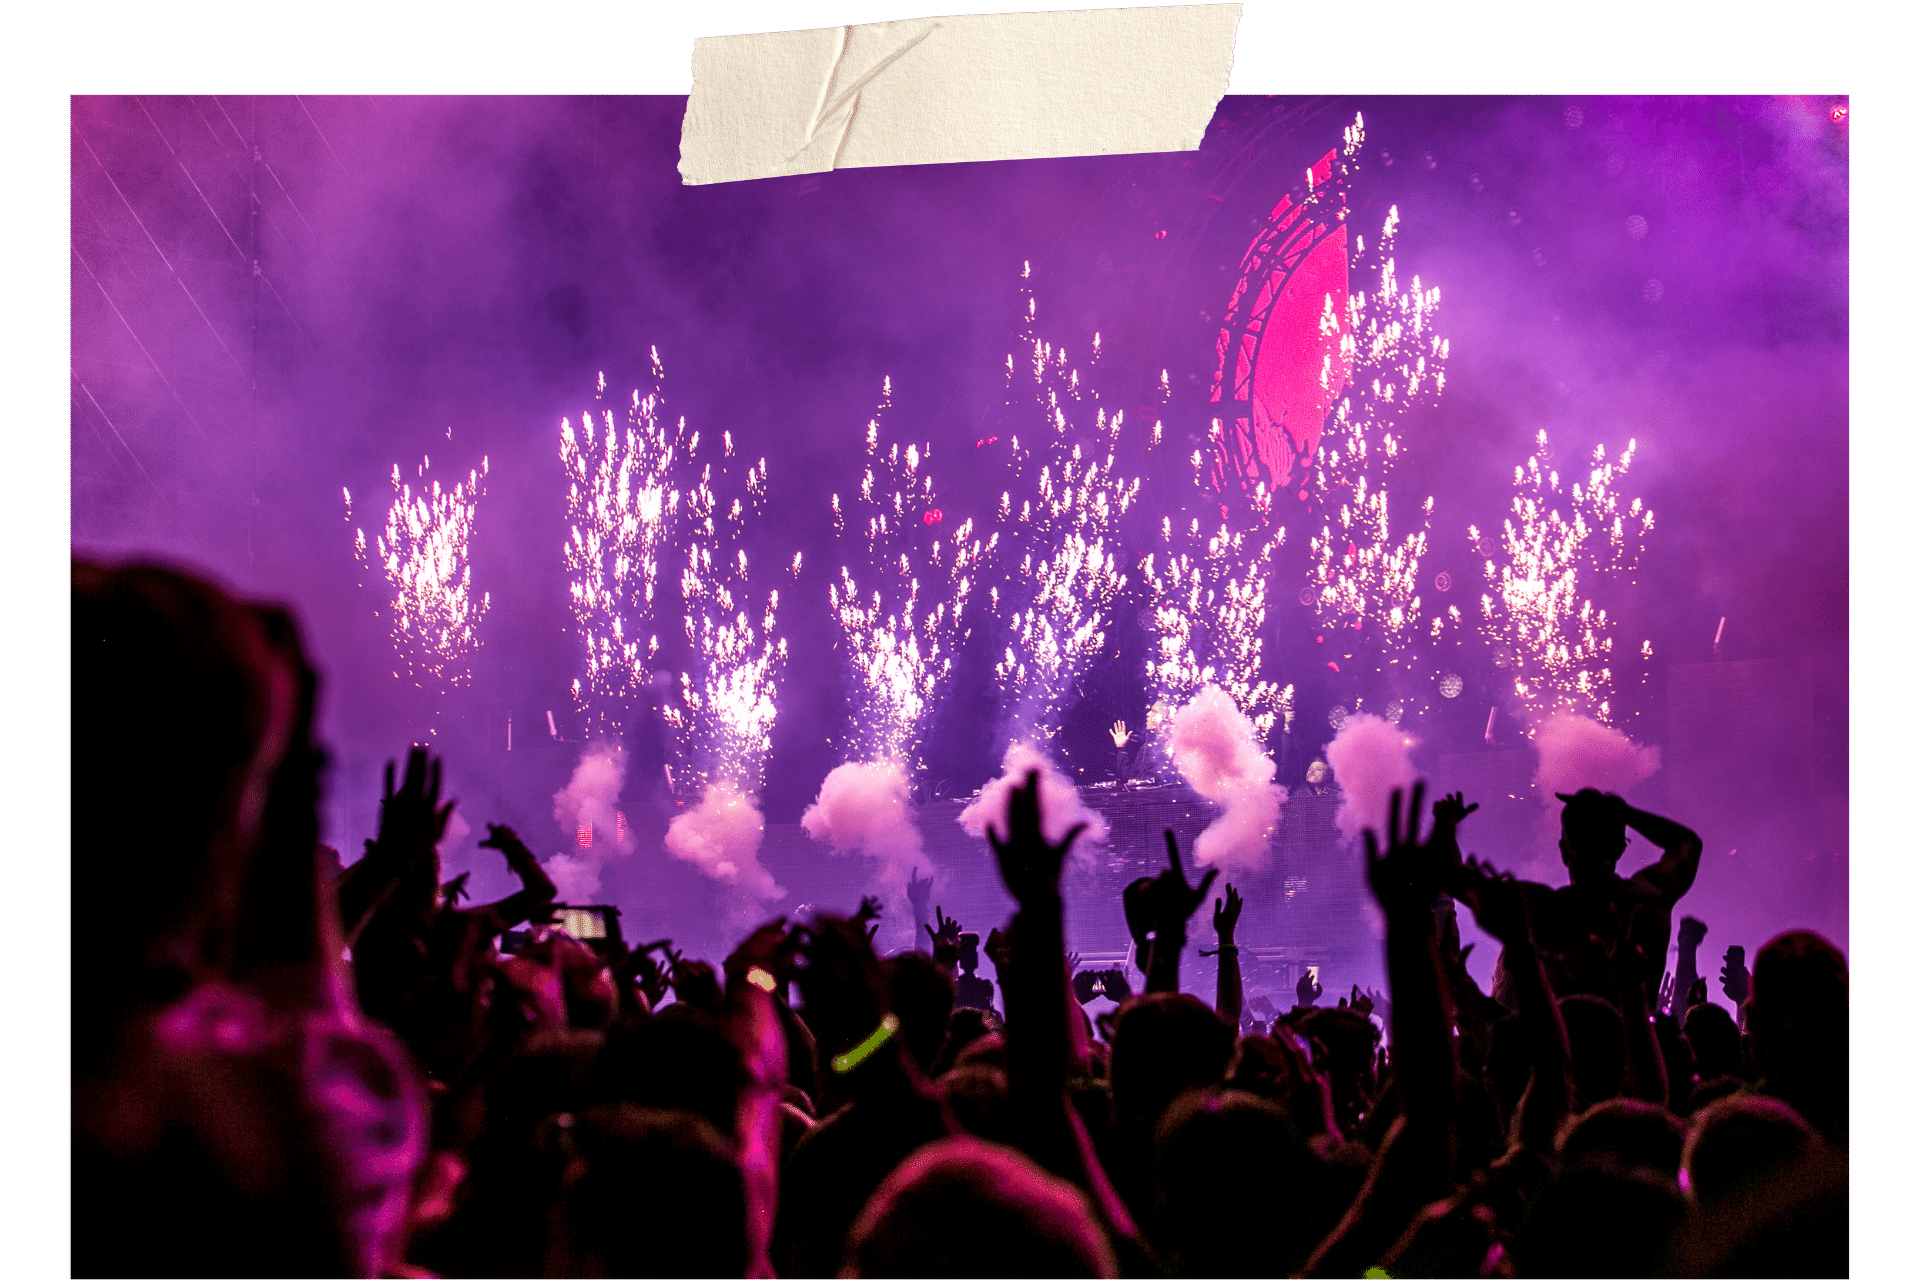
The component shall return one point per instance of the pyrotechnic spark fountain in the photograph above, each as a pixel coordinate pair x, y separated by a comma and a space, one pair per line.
1208, 598
425, 556
1552, 640
904, 608
622, 506
724, 724
1361, 579
1065, 528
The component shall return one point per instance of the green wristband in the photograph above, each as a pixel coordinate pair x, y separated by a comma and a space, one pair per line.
845, 1062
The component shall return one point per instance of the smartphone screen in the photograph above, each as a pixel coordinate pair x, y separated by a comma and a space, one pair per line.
584, 923
1313, 974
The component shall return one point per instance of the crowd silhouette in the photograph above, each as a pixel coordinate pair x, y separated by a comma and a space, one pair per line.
280, 1068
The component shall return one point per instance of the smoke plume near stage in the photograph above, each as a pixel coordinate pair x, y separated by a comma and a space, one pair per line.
740, 545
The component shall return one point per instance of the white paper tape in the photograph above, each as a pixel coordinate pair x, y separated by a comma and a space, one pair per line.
944, 90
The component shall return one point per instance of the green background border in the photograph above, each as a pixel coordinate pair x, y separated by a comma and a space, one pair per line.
360, 47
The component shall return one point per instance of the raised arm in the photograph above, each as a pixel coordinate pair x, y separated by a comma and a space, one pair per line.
1157, 912
536, 888
399, 878
1686, 965
920, 897
1679, 852
756, 969
1228, 997
1039, 1046
1500, 907
1415, 1164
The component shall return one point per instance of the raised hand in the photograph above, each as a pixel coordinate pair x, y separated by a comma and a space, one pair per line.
1086, 985
1226, 916
1693, 931
1494, 898
1113, 985
1307, 990
653, 978
1412, 873
919, 893
412, 819
1734, 978
946, 937
1171, 898
1451, 810
868, 916
1029, 863
1358, 1001
1697, 993
771, 948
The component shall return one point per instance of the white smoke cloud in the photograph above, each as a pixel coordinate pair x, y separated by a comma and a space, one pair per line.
862, 807
1060, 803
1577, 752
1216, 750
591, 796
576, 877
454, 836
1370, 757
721, 835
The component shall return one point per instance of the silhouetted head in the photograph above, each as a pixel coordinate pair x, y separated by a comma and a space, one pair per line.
1715, 1038
1345, 1043
1593, 831
1226, 1160
1799, 990
1740, 1143
1770, 1196
679, 1061
1597, 1043
191, 704
1637, 1134
1600, 1218
976, 1094
1164, 1044
964, 1026
645, 1193
922, 997
962, 1206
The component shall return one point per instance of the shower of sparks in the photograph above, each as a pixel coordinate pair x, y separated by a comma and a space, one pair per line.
1554, 643
1207, 592
902, 613
622, 505
1362, 579
1059, 599
425, 556
724, 721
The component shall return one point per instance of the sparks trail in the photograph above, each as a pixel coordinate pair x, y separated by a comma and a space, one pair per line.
1207, 591
623, 507
1549, 636
425, 555
1059, 598
1361, 579
724, 721
902, 611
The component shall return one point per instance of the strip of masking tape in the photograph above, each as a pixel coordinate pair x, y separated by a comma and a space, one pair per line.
1012, 86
